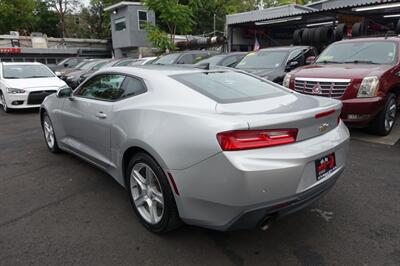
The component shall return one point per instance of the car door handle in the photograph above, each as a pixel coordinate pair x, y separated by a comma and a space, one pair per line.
101, 115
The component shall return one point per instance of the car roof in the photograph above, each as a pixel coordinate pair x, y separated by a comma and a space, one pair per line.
21, 63
368, 39
285, 48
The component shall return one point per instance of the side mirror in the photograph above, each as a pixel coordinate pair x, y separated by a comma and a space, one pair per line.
310, 60
66, 65
64, 92
292, 65
58, 73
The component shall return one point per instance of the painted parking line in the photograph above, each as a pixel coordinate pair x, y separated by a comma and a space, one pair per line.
391, 139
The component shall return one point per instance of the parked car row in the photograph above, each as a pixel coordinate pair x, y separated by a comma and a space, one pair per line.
362, 73
226, 125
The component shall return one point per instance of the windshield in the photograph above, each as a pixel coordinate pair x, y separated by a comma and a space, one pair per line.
137, 62
99, 65
88, 65
63, 62
213, 61
263, 59
359, 52
26, 72
124, 62
229, 87
81, 65
167, 59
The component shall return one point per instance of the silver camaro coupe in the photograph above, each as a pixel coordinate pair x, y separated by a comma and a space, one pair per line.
214, 148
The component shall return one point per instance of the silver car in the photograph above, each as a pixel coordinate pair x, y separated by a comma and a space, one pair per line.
214, 148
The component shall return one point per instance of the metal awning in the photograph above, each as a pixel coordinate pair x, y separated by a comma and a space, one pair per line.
267, 14
293, 10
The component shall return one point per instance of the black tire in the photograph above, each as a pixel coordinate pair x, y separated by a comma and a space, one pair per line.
53, 148
379, 124
170, 217
324, 35
398, 27
307, 36
3, 103
358, 29
297, 37
340, 32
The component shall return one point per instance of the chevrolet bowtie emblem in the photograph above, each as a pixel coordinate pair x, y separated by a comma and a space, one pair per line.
324, 127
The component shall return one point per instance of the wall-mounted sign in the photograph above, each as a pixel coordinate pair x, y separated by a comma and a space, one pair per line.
11, 50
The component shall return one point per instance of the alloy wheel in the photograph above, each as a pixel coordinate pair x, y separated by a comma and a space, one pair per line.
48, 132
147, 193
390, 115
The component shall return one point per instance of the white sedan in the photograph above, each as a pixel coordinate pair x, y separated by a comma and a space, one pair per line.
26, 85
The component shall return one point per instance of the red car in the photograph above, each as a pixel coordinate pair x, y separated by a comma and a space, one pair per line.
363, 73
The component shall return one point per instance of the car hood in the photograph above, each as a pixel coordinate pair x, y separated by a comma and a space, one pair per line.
345, 71
53, 82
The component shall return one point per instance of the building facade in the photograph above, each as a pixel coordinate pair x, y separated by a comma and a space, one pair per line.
128, 21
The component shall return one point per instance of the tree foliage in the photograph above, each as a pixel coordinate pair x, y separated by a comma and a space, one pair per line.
68, 18
63, 8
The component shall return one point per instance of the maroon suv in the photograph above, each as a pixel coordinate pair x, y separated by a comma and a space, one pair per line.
363, 73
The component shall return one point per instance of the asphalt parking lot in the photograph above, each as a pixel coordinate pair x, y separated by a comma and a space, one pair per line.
59, 210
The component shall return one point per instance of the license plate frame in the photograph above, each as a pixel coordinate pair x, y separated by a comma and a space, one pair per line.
324, 166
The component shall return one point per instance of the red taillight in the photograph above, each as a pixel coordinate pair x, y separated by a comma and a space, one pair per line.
254, 139
323, 114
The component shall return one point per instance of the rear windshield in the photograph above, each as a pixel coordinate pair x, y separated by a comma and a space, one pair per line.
167, 59
229, 87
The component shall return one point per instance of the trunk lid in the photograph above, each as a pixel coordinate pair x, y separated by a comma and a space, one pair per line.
293, 110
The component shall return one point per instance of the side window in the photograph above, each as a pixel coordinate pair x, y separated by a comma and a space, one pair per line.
120, 24
310, 52
131, 87
297, 56
142, 19
102, 87
72, 62
186, 59
199, 57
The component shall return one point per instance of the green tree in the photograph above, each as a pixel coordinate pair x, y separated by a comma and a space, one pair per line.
45, 19
98, 19
17, 15
63, 9
176, 17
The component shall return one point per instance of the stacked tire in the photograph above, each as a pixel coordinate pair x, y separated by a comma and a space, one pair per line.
313, 36
322, 36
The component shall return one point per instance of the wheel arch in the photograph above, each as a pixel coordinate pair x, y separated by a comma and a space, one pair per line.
396, 90
42, 110
131, 150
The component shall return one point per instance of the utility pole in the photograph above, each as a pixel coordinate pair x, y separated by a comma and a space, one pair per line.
215, 17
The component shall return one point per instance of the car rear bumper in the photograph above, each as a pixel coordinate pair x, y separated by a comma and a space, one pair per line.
360, 111
236, 190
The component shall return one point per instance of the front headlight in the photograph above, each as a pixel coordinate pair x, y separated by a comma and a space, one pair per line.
15, 91
286, 80
368, 87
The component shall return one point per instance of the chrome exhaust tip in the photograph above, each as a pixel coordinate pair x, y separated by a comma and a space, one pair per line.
267, 222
